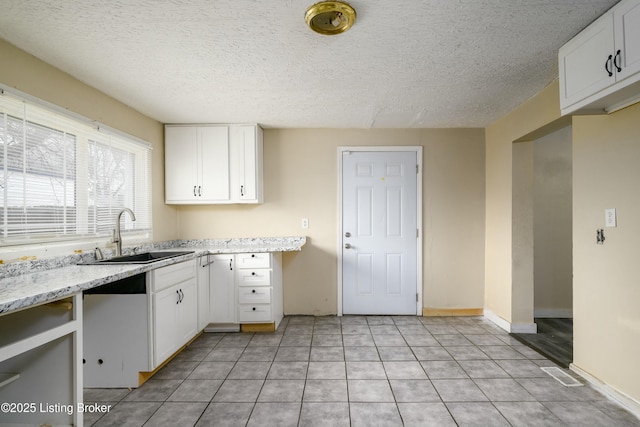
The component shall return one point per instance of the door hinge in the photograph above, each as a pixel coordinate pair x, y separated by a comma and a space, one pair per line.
417, 232
417, 169
417, 297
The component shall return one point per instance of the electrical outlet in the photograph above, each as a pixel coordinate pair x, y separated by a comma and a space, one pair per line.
610, 217
305, 222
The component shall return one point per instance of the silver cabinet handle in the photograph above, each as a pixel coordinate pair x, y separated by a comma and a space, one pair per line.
347, 246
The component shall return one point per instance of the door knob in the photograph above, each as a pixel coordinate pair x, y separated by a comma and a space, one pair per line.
347, 246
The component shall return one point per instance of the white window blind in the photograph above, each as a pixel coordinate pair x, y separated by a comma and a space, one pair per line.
62, 178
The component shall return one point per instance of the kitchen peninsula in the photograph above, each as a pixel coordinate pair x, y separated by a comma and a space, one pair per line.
42, 321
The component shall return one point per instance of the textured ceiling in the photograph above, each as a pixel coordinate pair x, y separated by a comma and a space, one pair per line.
405, 63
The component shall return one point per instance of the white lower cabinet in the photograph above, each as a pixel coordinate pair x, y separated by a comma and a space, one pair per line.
259, 288
125, 333
41, 363
222, 291
116, 347
204, 313
245, 288
174, 294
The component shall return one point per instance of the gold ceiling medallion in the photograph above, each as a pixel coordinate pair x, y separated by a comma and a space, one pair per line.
330, 17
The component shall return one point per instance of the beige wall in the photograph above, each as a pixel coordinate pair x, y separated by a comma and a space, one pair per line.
552, 224
605, 162
522, 237
538, 112
28, 74
606, 284
301, 180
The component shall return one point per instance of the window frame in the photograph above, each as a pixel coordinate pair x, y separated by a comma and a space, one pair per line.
86, 131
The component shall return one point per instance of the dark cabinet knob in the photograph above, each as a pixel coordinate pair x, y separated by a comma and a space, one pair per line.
254, 309
253, 291
608, 65
100, 361
615, 61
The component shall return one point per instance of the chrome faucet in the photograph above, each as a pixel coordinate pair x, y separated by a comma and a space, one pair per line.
117, 239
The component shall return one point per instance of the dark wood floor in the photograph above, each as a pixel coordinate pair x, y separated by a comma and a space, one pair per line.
553, 340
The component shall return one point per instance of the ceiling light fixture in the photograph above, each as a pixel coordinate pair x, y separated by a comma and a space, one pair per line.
330, 17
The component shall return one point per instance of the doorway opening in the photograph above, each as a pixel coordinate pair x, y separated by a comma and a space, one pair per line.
542, 242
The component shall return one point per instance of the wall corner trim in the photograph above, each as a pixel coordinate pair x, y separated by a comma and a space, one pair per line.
516, 328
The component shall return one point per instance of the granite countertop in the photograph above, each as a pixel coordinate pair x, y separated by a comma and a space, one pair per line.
34, 283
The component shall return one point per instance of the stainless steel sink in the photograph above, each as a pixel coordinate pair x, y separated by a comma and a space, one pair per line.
143, 258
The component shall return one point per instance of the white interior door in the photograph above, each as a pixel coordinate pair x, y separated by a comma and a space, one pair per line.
379, 232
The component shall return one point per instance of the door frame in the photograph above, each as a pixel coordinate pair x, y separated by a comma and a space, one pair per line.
340, 249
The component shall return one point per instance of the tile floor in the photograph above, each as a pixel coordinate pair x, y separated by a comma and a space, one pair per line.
359, 371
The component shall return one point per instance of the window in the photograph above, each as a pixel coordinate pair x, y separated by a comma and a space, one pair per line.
62, 178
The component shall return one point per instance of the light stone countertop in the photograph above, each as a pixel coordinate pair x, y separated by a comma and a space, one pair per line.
62, 279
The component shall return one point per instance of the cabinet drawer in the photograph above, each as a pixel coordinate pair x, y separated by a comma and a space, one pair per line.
164, 277
254, 313
256, 260
255, 277
254, 295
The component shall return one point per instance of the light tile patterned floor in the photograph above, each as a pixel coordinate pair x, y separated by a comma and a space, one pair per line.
359, 371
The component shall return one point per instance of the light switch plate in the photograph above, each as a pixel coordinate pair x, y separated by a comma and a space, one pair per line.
610, 217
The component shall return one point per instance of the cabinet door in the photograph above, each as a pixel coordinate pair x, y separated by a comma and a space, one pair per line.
626, 21
247, 163
214, 164
582, 62
165, 320
222, 289
203, 292
181, 168
187, 312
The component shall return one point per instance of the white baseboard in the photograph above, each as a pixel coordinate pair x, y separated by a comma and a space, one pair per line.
490, 315
558, 313
623, 399
516, 328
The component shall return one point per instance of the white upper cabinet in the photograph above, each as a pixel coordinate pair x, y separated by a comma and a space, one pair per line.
600, 67
583, 61
211, 164
196, 164
627, 30
246, 164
